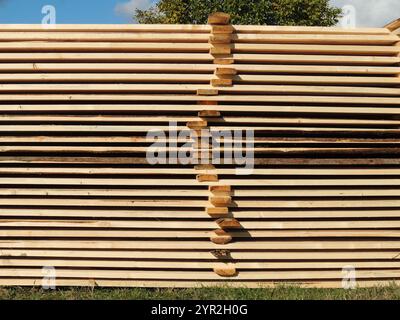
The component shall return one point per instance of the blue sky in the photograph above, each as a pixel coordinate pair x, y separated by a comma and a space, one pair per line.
369, 13
68, 11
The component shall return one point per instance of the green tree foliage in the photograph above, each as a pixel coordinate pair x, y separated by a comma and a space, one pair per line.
256, 12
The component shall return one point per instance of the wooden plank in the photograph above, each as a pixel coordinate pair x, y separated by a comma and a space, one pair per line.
194, 213
259, 192
264, 29
120, 67
194, 68
187, 88
92, 108
392, 26
190, 98
189, 182
314, 59
192, 121
351, 50
104, 77
168, 28
192, 265
314, 39
183, 256
202, 57
201, 245
106, 203
108, 57
261, 29
314, 79
198, 44
198, 275
91, 283
179, 171
307, 69
139, 37
223, 223
112, 47
138, 140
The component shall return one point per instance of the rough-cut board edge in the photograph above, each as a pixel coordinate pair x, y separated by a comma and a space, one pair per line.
228, 272
187, 28
185, 264
191, 284
198, 68
303, 244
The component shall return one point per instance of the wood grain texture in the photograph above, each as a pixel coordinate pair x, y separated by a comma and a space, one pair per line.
78, 193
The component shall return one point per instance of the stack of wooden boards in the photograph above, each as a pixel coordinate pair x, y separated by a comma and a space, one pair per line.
77, 192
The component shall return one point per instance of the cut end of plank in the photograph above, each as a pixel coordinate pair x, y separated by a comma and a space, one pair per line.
219, 18
218, 212
229, 223
228, 271
207, 178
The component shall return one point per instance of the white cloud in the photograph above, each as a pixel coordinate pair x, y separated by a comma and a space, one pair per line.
372, 13
127, 9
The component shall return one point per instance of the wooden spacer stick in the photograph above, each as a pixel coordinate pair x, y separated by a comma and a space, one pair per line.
221, 237
219, 18
220, 190
225, 71
224, 61
220, 39
221, 253
221, 49
220, 201
228, 271
222, 29
221, 82
229, 223
218, 212
207, 103
195, 125
207, 178
209, 114
204, 167
207, 92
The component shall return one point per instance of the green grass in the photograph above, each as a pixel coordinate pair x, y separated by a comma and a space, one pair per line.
279, 293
